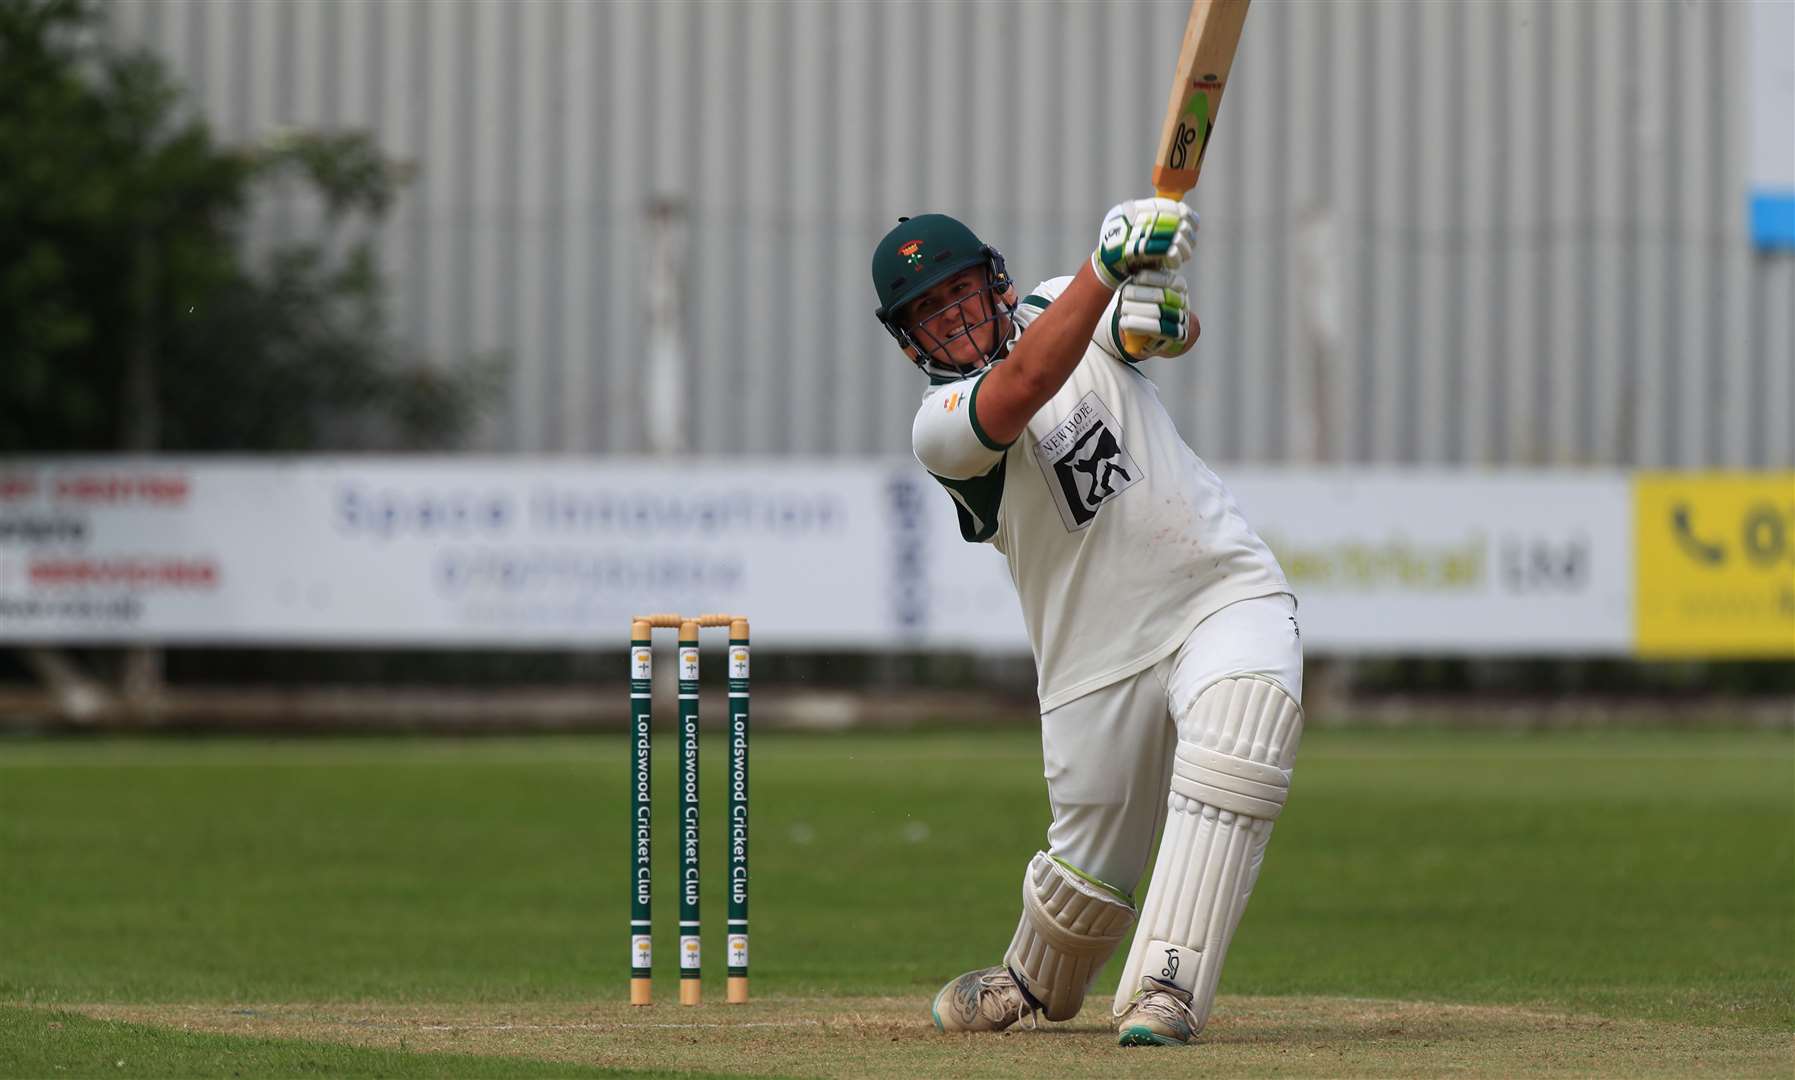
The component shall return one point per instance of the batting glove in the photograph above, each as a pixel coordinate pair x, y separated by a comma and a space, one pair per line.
1156, 305
1143, 234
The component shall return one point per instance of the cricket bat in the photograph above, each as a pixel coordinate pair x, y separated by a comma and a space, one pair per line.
1210, 36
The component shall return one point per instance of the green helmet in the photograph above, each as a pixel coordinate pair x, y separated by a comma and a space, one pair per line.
919, 254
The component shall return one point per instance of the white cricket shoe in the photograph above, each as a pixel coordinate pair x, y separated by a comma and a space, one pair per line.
983, 1000
1160, 1015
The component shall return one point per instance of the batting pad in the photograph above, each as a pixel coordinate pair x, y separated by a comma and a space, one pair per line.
1229, 781
1070, 925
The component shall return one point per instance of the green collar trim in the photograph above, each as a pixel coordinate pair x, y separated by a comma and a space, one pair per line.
943, 380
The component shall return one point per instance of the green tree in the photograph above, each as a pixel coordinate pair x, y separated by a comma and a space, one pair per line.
131, 316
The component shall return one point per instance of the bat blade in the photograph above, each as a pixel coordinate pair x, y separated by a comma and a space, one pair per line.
1211, 35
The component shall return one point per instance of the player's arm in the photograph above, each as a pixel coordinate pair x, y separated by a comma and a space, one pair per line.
1042, 360
1137, 236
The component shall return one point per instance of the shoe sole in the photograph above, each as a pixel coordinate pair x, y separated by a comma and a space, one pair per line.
1144, 1036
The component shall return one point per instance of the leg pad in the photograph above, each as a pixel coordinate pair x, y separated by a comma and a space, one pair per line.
1070, 925
1230, 780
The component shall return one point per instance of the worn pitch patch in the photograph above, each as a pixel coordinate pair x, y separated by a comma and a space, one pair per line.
877, 1037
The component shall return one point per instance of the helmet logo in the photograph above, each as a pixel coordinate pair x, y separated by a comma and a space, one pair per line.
912, 253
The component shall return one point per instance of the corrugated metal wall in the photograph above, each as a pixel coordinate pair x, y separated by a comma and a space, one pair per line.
1432, 232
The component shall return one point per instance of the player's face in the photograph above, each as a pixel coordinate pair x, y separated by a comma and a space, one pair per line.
953, 320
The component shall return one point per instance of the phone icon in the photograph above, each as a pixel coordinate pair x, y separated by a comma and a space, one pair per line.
1694, 546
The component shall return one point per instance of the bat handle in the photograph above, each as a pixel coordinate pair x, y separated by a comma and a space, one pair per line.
1135, 344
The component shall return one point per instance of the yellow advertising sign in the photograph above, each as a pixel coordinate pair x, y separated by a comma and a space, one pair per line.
1715, 564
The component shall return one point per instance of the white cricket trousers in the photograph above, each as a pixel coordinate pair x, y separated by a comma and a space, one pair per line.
1108, 755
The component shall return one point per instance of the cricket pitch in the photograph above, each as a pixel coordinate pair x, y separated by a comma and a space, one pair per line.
886, 1036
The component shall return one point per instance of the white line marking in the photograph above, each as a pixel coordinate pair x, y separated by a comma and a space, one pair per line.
592, 1027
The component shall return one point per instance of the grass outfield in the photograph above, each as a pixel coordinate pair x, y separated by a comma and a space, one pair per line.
1431, 902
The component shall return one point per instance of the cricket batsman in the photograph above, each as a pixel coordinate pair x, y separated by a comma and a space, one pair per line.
1164, 633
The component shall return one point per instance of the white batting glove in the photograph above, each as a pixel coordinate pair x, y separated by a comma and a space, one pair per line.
1156, 305
1143, 234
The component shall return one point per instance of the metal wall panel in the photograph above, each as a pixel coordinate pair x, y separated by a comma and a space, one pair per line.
1461, 233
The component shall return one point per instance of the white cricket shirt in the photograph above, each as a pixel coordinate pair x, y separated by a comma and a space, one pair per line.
1119, 538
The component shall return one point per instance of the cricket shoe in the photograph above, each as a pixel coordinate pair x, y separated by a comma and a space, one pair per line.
1160, 1015
984, 1000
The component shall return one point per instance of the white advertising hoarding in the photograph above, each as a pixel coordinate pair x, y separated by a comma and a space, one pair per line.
447, 551
1441, 562
532, 553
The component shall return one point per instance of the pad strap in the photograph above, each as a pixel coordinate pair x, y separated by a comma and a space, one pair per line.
1226, 782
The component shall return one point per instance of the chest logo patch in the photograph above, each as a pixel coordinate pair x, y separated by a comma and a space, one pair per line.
1085, 462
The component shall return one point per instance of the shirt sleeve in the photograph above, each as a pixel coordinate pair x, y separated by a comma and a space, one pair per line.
1106, 336
1039, 298
946, 436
